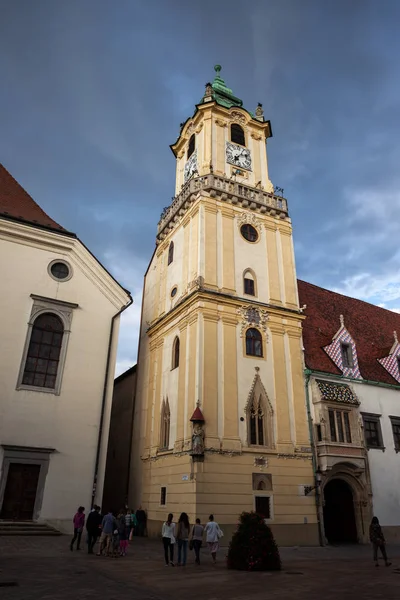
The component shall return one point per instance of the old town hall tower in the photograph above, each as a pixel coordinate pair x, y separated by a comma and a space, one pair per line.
220, 416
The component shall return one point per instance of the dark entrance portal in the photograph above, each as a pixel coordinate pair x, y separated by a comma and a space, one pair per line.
339, 517
20, 493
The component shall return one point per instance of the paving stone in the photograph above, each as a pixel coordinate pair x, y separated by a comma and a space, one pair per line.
45, 569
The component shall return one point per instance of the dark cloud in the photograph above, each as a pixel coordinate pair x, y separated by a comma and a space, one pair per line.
92, 94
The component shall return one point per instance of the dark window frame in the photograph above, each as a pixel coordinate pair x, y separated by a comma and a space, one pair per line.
339, 426
249, 286
254, 343
163, 495
175, 353
237, 135
191, 145
368, 419
395, 423
43, 356
249, 233
347, 355
261, 500
171, 253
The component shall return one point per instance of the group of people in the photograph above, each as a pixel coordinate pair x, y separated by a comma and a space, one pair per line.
185, 535
114, 529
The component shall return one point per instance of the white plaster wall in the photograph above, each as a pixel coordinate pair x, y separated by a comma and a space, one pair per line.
251, 256
68, 422
170, 382
174, 271
384, 466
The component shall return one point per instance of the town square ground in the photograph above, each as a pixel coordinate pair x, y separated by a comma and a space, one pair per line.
34, 568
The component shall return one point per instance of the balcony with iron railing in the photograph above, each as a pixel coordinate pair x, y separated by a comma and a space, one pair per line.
226, 190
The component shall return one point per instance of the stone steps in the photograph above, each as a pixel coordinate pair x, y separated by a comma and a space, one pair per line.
27, 528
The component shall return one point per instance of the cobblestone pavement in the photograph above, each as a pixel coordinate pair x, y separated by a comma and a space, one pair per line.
44, 568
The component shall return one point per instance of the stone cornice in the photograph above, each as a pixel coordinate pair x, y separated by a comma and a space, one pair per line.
226, 190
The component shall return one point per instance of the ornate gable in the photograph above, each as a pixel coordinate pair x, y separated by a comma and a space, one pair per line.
334, 351
391, 362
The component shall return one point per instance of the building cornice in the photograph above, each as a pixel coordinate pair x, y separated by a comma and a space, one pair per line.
226, 190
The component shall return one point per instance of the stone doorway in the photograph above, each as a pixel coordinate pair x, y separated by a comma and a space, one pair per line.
339, 513
20, 492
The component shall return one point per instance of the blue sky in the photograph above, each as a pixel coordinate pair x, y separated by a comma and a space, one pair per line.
93, 91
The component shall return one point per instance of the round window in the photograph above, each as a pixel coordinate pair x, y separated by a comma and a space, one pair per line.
173, 291
249, 232
60, 270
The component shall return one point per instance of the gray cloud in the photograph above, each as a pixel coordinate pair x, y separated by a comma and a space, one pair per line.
93, 93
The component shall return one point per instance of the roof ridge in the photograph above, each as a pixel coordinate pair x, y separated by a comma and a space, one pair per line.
346, 296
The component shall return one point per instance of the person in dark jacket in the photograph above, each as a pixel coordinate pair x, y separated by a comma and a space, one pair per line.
141, 518
378, 541
93, 525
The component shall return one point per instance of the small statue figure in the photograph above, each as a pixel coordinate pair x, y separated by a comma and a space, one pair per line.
198, 440
209, 90
259, 110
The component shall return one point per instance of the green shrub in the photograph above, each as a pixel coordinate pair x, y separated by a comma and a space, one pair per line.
253, 547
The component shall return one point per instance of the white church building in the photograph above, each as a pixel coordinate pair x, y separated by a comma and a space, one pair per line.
59, 313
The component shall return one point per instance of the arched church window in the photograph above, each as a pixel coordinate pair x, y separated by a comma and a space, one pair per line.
261, 486
256, 424
165, 425
249, 283
43, 357
237, 134
254, 342
171, 253
175, 353
191, 146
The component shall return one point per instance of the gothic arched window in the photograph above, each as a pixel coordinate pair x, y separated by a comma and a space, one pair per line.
43, 357
249, 283
175, 353
237, 134
256, 424
171, 253
191, 146
165, 425
254, 342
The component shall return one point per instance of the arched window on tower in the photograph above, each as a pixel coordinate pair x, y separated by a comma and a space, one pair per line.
171, 253
175, 353
249, 283
254, 345
237, 134
43, 357
165, 425
191, 146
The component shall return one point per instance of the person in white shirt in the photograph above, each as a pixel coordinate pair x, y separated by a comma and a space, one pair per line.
213, 534
168, 537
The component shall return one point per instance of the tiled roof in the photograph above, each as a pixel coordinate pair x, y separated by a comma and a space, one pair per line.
336, 392
16, 203
371, 328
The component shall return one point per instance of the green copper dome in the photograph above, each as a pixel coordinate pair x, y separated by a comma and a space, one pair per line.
221, 93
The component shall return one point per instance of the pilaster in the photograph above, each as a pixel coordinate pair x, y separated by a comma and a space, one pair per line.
284, 442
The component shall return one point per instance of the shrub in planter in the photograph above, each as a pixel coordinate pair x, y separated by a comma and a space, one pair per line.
253, 547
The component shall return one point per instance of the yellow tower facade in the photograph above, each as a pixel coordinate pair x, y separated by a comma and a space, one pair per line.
220, 415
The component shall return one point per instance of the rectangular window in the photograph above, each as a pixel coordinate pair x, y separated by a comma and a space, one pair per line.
347, 355
347, 427
319, 433
339, 424
263, 506
396, 431
332, 426
249, 287
163, 498
372, 431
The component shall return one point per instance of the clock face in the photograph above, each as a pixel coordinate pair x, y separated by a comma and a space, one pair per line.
238, 156
191, 166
